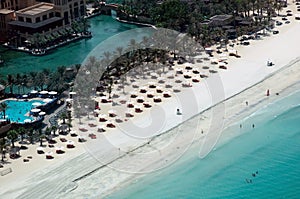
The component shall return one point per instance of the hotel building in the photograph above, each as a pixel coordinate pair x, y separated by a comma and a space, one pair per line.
22, 18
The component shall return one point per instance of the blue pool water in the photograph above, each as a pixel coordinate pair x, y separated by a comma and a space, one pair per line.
272, 149
17, 110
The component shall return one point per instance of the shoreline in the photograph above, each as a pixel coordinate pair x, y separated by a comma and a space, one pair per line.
245, 113
134, 186
135, 23
43, 51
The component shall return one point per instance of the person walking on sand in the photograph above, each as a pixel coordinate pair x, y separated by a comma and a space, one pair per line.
268, 92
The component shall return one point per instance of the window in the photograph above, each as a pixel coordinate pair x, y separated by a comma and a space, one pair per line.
51, 14
37, 20
76, 12
57, 14
82, 10
28, 20
44, 17
20, 18
66, 17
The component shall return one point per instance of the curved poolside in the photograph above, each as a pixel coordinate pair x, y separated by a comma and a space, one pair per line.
102, 27
18, 110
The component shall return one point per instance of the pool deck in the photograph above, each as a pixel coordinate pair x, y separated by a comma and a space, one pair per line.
23, 100
48, 116
15, 99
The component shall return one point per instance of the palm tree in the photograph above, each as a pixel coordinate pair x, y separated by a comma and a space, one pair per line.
31, 134
58, 81
110, 87
54, 129
61, 70
107, 57
41, 138
77, 66
46, 73
18, 82
21, 131
278, 6
31, 80
63, 116
40, 80
120, 59
3, 82
119, 51
145, 41
24, 81
48, 132
3, 145
37, 40
3, 107
10, 81
132, 46
123, 79
69, 125
91, 63
75, 26
12, 135
85, 25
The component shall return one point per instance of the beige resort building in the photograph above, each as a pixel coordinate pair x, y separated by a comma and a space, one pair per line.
20, 19
7, 9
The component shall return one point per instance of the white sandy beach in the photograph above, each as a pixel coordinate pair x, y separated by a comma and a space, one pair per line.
246, 79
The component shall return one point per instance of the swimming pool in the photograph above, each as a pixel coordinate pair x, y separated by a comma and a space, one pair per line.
17, 110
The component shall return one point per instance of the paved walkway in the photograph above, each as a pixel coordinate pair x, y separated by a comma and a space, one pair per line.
56, 112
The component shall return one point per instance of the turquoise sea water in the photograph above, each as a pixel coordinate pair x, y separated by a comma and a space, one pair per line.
102, 27
271, 149
16, 110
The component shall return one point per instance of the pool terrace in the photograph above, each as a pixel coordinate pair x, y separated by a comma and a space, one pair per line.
28, 108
